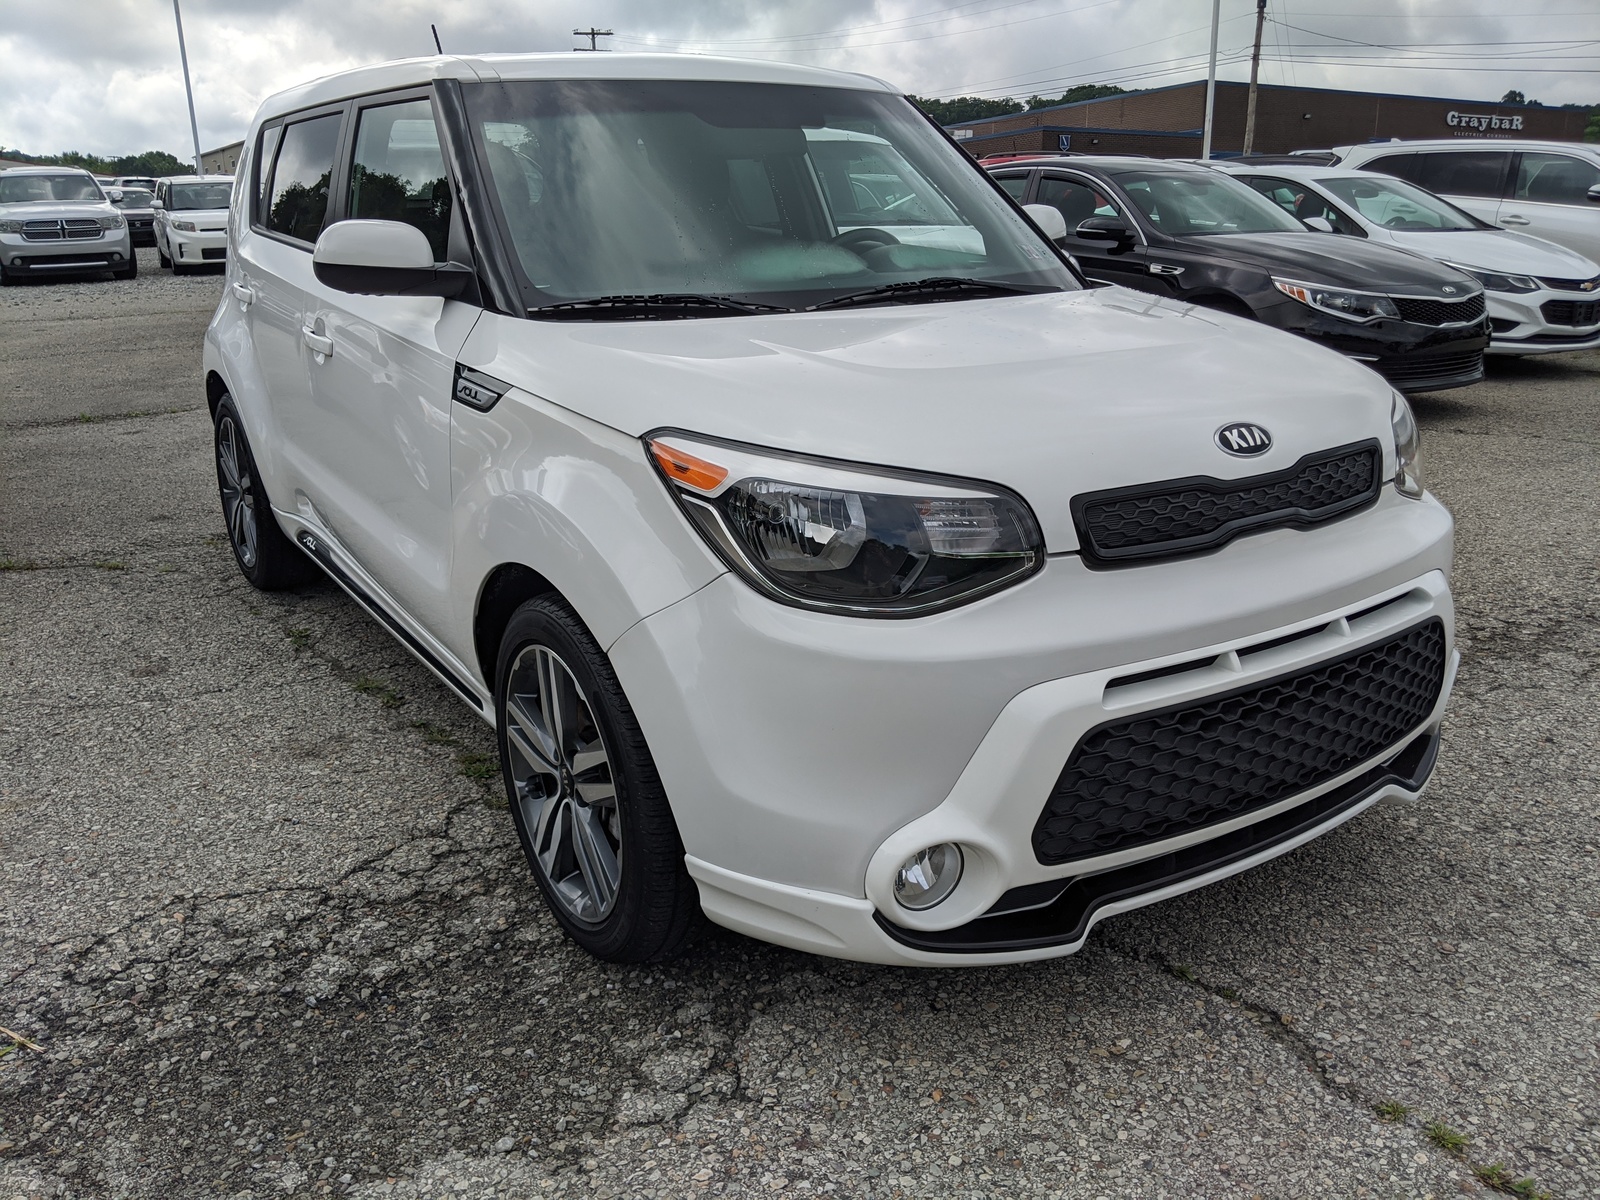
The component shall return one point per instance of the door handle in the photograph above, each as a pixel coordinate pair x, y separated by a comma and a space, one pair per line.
318, 343
1513, 219
244, 294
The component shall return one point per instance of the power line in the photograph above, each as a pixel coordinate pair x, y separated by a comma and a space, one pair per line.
591, 33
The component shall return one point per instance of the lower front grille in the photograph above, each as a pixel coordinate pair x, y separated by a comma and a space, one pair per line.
1441, 312
1443, 368
1571, 312
213, 253
1156, 775
1181, 516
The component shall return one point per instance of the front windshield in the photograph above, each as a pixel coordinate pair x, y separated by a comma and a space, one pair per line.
134, 198
1193, 204
764, 193
42, 189
1395, 204
199, 195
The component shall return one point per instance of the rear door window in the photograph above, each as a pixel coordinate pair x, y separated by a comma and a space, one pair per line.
1304, 202
1555, 179
297, 198
1075, 201
1463, 172
399, 172
1016, 186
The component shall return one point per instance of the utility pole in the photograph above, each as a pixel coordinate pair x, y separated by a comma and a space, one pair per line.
591, 33
440, 48
1211, 82
1255, 67
194, 126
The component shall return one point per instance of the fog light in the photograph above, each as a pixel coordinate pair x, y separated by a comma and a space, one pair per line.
928, 876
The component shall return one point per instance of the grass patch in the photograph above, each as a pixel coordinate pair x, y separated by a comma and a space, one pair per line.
1496, 1176
475, 764
1184, 971
433, 735
377, 688
300, 639
89, 419
1447, 1139
1391, 1110
18, 564
111, 564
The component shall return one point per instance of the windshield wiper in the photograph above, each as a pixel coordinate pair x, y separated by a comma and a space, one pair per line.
927, 291
658, 307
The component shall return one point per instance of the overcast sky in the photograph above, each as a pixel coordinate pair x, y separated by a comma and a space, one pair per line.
102, 76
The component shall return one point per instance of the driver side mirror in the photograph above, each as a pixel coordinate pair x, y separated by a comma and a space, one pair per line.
1319, 224
383, 258
1594, 194
1105, 229
114, 195
1049, 220
156, 204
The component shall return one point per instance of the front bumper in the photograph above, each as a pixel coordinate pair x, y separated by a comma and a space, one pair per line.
1543, 322
108, 252
196, 249
807, 756
1412, 357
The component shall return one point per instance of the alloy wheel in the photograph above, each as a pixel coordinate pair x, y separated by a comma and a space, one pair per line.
563, 783
238, 495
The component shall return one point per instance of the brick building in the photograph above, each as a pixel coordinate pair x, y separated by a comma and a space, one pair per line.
1167, 122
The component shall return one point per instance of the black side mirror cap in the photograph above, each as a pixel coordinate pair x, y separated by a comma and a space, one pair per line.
1104, 229
442, 279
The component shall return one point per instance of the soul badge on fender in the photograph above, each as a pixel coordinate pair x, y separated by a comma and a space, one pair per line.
477, 390
1244, 439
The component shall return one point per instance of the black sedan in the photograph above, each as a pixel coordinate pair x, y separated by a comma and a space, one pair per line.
1180, 230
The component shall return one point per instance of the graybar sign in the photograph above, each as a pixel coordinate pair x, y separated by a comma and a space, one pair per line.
1461, 120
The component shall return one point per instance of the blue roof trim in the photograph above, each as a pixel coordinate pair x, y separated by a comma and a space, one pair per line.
1265, 87
1027, 129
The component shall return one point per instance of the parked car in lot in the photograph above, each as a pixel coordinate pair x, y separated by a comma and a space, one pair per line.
1543, 298
1183, 230
145, 183
56, 220
814, 579
1548, 189
192, 221
135, 206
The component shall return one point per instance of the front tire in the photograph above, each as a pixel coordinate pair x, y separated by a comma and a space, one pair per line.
589, 807
268, 559
161, 256
131, 271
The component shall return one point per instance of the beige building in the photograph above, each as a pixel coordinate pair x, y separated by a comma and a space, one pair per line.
224, 160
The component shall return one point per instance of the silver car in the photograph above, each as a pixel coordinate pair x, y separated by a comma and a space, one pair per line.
55, 220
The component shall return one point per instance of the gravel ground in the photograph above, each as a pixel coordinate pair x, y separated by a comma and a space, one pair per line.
268, 927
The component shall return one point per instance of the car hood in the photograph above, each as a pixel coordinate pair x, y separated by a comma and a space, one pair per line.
1339, 261
1499, 250
1051, 395
55, 210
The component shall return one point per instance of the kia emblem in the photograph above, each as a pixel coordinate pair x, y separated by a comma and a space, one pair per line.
1244, 440
1448, 290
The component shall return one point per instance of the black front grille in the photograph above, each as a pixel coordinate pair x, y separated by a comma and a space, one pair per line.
1571, 312
1449, 369
1572, 285
78, 229
42, 231
1181, 516
213, 253
1441, 312
1160, 774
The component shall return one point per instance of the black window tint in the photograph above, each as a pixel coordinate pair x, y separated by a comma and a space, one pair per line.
1076, 202
1463, 173
1016, 186
1401, 166
297, 202
1555, 179
399, 172
264, 156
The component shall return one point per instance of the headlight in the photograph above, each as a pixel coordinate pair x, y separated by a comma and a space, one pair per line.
184, 226
1407, 448
114, 221
10, 226
1352, 306
1494, 281
845, 539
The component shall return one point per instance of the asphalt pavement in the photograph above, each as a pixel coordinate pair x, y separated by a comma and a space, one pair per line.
267, 931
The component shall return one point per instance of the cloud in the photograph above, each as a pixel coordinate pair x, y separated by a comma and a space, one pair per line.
102, 76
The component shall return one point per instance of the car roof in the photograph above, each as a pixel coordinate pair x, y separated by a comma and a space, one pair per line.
1310, 173
1466, 144
197, 179
1109, 164
493, 68
44, 170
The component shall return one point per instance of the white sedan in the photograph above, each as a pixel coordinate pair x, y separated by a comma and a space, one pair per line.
1543, 298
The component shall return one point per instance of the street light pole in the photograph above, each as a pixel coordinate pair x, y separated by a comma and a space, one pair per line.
1211, 81
194, 126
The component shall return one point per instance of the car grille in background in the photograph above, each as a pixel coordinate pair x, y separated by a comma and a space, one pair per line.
1160, 774
1451, 368
1572, 285
1571, 312
1181, 516
1441, 312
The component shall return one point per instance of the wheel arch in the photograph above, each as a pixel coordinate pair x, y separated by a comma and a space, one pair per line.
505, 589
216, 389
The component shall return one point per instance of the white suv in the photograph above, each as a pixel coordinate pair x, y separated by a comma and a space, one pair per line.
893, 597
1548, 189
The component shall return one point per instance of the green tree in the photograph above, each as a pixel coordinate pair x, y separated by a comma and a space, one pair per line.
1084, 91
965, 108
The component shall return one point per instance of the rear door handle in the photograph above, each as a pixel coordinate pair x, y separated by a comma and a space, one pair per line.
1513, 219
318, 343
244, 294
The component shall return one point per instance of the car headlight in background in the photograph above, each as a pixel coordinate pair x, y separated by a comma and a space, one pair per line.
184, 226
1352, 306
114, 221
847, 539
1495, 281
1407, 448
10, 226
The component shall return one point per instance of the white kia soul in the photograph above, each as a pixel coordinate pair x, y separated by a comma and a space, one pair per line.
830, 558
